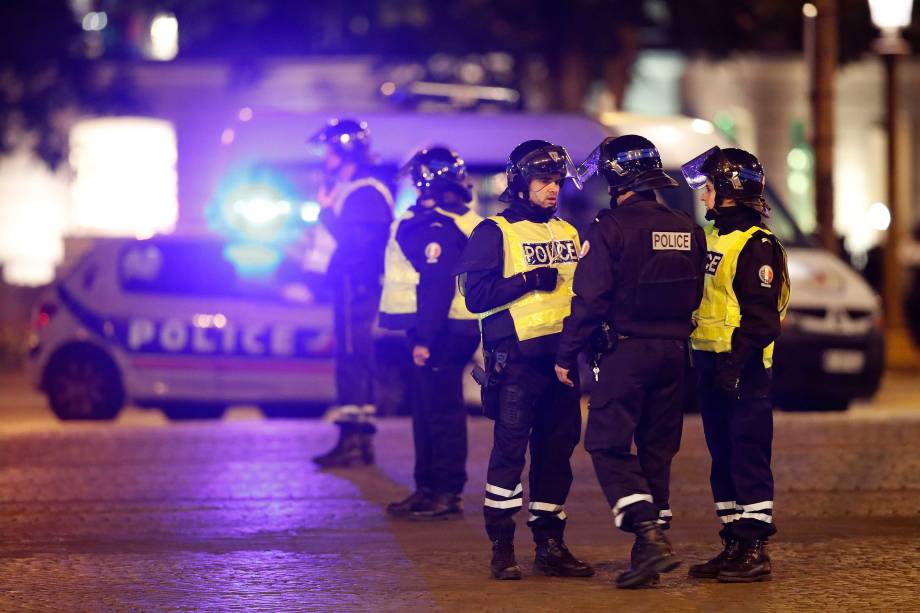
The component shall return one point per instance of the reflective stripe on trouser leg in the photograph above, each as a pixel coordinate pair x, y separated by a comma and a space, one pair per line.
503, 498
664, 518
759, 511
620, 509
545, 510
728, 511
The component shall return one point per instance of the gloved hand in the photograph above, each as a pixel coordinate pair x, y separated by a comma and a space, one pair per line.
728, 375
542, 279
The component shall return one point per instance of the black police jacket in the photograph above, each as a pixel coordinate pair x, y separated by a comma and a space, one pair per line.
641, 271
432, 243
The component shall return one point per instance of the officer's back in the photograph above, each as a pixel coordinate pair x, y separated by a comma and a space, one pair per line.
657, 261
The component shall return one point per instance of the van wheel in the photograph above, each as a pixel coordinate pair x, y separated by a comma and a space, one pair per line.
184, 411
84, 383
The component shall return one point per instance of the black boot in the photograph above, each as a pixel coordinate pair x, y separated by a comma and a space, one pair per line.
633, 558
710, 569
439, 507
409, 504
653, 555
347, 451
503, 565
752, 563
366, 436
554, 559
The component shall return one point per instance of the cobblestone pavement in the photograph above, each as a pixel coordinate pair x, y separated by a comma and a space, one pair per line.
145, 515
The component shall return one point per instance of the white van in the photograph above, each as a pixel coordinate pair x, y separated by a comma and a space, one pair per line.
124, 325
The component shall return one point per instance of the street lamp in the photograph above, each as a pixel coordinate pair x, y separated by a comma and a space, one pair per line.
890, 17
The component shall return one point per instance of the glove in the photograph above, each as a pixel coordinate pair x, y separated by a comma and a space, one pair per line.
541, 279
728, 375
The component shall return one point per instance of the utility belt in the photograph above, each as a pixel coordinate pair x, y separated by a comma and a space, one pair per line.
490, 379
605, 340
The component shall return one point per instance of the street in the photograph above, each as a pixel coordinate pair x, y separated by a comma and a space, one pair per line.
232, 515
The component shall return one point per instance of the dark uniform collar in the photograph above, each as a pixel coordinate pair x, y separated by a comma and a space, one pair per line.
520, 210
737, 218
634, 199
458, 208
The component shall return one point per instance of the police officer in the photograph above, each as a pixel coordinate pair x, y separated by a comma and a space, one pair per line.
517, 274
639, 280
420, 295
355, 216
745, 298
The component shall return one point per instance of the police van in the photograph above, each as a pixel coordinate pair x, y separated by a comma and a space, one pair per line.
177, 323
170, 322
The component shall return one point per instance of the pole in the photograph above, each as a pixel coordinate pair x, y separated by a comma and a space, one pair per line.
822, 106
891, 288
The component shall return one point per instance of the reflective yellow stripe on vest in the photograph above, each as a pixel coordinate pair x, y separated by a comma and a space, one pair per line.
467, 223
400, 278
317, 259
400, 282
719, 312
528, 245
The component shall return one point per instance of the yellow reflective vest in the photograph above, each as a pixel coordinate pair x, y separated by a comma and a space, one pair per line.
528, 245
400, 279
719, 312
318, 257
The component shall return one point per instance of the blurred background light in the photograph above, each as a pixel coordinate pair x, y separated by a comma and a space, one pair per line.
33, 214
245, 114
252, 259
95, 21
125, 180
878, 216
702, 126
164, 37
809, 10
309, 212
891, 14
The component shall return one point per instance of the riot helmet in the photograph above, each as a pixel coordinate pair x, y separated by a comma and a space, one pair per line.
348, 138
437, 170
629, 163
536, 159
734, 173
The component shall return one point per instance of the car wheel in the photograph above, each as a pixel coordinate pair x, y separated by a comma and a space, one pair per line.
184, 411
84, 383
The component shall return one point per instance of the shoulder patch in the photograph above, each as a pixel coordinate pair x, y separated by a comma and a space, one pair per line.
432, 253
766, 275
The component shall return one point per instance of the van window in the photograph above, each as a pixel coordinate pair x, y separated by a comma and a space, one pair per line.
190, 268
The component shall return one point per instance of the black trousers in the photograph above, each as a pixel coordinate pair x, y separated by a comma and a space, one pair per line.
355, 305
739, 434
439, 415
639, 397
535, 410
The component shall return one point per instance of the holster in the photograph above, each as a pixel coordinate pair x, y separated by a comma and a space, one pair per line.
602, 341
489, 380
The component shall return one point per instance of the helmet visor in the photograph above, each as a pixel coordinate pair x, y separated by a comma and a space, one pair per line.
595, 163
590, 166
693, 170
551, 162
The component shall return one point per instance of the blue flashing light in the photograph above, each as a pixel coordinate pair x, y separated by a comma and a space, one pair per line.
309, 212
252, 259
255, 206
